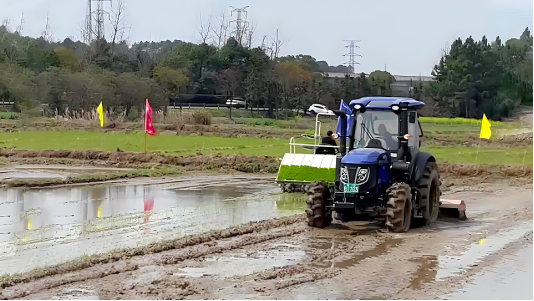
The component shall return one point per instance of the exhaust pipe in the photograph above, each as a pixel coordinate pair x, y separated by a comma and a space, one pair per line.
343, 134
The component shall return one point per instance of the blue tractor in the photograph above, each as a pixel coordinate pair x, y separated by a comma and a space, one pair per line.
380, 171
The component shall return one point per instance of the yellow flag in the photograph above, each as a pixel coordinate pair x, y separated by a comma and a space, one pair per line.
100, 111
99, 213
485, 131
30, 224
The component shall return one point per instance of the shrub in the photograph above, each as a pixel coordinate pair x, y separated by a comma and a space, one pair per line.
133, 115
202, 117
9, 115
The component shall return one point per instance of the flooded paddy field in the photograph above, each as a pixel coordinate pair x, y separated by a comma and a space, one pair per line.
238, 237
40, 227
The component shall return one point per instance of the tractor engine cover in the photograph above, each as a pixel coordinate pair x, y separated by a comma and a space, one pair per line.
358, 179
358, 172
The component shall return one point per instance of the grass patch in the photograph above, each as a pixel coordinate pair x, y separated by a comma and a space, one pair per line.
493, 156
256, 121
9, 115
274, 147
305, 173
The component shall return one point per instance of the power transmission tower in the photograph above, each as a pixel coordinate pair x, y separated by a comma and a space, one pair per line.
99, 13
88, 36
240, 23
352, 53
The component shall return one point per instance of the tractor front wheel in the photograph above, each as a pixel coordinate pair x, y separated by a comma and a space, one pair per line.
399, 207
316, 211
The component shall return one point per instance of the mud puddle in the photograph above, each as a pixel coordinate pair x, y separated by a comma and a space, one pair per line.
511, 279
380, 249
43, 227
243, 264
452, 265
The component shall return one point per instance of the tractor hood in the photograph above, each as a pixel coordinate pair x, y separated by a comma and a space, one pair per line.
362, 156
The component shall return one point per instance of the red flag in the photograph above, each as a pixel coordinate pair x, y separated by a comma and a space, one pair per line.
149, 129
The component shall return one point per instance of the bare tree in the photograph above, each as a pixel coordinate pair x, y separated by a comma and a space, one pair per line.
249, 34
205, 29
220, 30
117, 22
6, 23
231, 80
277, 44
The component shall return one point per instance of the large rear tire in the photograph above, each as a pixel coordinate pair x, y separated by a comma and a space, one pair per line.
316, 211
399, 208
429, 189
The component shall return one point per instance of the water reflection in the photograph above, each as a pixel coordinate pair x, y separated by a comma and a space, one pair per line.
48, 226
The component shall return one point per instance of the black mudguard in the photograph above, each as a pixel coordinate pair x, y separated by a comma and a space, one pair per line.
417, 167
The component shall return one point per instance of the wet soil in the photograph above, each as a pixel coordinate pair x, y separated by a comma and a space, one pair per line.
283, 258
120, 159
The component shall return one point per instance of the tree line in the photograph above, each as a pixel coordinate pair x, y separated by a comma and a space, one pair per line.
39, 75
477, 77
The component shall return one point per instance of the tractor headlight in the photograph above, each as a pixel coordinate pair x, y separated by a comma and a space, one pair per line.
395, 108
357, 107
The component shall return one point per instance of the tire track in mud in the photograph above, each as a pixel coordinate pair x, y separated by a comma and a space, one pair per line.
132, 259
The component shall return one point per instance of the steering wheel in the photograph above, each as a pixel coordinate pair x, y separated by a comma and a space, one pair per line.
382, 142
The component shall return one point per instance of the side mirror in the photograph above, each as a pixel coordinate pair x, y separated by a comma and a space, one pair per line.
340, 113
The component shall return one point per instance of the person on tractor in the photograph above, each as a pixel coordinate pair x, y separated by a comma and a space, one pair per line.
387, 136
328, 140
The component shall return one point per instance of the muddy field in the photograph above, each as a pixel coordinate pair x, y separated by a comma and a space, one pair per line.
237, 237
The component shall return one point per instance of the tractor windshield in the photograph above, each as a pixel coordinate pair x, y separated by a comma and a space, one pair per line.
381, 125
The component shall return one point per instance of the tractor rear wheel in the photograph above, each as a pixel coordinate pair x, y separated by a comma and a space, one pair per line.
316, 211
399, 207
429, 189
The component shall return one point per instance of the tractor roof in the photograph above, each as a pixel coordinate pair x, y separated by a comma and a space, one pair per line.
380, 102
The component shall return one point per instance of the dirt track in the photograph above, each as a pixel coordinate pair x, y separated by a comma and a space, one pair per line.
284, 259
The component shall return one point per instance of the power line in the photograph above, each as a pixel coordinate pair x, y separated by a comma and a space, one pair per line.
352, 54
240, 23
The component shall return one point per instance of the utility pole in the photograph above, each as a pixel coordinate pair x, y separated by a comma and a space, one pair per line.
352, 53
240, 23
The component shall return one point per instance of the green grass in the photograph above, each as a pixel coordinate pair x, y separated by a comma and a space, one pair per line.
193, 145
305, 173
167, 144
256, 121
468, 155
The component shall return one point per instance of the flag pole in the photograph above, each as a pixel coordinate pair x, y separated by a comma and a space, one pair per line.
145, 130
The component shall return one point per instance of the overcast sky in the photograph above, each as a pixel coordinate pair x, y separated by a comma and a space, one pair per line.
405, 35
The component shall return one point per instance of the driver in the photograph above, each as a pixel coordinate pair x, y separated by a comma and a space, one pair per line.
328, 140
387, 136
